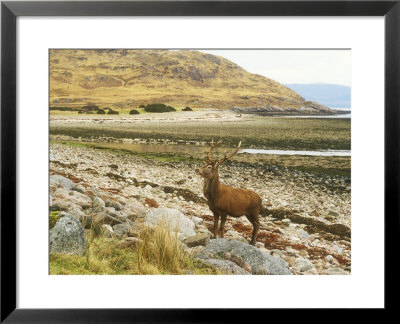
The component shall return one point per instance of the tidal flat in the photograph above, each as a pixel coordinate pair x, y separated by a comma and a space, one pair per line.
204, 126
184, 136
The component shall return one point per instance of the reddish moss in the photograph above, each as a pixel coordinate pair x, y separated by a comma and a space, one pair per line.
208, 218
341, 259
242, 228
299, 247
151, 203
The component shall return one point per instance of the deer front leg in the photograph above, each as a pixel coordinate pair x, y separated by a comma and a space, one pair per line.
216, 219
222, 226
256, 226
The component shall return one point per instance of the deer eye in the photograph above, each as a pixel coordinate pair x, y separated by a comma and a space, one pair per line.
209, 166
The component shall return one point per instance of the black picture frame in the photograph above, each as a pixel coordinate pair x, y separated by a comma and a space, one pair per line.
10, 10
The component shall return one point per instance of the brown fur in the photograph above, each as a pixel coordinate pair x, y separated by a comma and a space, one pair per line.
224, 200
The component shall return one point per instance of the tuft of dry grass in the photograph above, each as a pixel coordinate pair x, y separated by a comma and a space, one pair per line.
162, 247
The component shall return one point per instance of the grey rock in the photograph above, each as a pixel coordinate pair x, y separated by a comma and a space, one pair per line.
68, 236
61, 205
197, 220
77, 212
259, 261
302, 234
112, 203
291, 251
279, 252
98, 205
121, 229
338, 249
224, 266
107, 230
134, 208
238, 260
304, 264
334, 271
80, 199
333, 213
61, 181
174, 219
103, 218
198, 239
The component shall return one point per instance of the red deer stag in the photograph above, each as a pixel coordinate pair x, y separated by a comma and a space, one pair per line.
224, 200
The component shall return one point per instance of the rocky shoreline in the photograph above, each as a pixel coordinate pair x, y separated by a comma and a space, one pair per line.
312, 108
305, 219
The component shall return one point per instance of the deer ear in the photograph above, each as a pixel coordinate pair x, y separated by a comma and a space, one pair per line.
216, 165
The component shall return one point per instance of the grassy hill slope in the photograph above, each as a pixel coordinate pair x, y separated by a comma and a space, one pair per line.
128, 78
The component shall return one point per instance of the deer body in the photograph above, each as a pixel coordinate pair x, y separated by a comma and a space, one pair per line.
225, 200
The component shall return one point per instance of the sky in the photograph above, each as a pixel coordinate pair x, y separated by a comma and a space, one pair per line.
294, 66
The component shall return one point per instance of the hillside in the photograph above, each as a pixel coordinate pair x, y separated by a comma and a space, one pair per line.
129, 78
331, 95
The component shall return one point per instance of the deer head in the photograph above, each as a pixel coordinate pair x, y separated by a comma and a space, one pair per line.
210, 168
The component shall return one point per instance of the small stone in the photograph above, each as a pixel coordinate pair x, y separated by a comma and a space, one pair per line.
333, 213
98, 205
107, 230
121, 229
259, 245
134, 232
129, 242
304, 254
198, 239
338, 249
290, 250
304, 264
278, 252
112, 203
197, 220
61, 181
329, 258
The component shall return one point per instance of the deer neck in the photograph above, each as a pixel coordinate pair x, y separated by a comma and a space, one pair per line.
211, 187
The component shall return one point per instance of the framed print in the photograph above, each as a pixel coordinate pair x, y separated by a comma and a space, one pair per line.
179, 155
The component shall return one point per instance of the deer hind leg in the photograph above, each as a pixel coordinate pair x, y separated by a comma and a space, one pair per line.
216, 219
253, 218
222, 226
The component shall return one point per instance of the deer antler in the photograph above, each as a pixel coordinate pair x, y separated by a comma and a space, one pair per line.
230, 156
207, 159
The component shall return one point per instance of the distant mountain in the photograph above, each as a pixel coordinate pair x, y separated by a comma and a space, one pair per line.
129, 78
331, 95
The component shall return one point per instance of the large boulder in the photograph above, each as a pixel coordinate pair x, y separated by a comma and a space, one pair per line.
174, 219
260, 261
61, 181
68, 236
224, 266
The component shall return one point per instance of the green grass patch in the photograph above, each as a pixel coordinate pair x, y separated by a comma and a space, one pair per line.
53, 218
